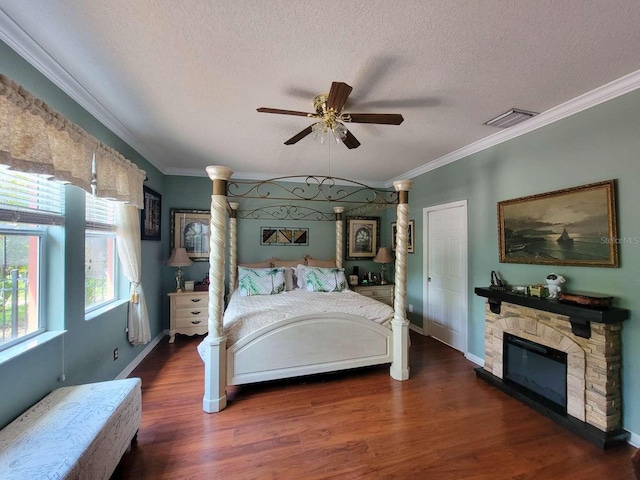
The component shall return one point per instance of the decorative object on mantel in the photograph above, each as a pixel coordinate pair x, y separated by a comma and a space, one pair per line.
538, 290
383, 256
553, 284
497, 283
179, 258
594, 300
575, 226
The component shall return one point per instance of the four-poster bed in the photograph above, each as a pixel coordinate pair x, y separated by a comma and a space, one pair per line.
289, 346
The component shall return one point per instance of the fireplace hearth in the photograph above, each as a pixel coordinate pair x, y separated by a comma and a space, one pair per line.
535, 353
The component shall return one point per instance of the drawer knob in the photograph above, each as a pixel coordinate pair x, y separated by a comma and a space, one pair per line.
195, 300
195, 313
195, 322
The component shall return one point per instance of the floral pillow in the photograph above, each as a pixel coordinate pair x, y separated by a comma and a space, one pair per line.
260, 281
319, 279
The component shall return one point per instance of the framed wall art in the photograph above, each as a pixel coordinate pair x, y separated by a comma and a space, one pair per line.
363, 237
284, 236
575, 226
410, 237
190, 229
150, 215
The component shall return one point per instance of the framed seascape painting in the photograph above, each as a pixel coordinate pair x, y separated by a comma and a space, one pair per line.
363, 236
150, 215
410, 236
575, 226
190, 229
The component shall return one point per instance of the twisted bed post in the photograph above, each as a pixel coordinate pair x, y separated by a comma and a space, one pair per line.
233, 247
400, 324
215, 345
339, 236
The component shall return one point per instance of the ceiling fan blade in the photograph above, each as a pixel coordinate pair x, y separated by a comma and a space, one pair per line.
380, 118
284, 112
299, 136
338, 95
350, 141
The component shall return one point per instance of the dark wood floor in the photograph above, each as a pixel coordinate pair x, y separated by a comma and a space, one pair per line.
441, 424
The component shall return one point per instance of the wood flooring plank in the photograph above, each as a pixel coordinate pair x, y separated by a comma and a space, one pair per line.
441, 424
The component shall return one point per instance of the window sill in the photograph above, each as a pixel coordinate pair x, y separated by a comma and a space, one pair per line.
28, 345
93, 314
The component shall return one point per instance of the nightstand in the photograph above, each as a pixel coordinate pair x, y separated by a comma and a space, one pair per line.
189, 313
382, 293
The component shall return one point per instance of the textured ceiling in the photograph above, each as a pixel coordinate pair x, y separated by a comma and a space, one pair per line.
181, 80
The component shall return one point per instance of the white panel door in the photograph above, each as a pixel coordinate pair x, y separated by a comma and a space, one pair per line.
445, 282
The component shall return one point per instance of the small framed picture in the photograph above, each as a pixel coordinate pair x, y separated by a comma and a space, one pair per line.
363, 237
190, 229
150, 215
410, 239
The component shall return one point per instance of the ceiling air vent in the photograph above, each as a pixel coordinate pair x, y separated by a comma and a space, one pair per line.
510, 118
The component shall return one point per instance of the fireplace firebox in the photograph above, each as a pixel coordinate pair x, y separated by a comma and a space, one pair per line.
537, 371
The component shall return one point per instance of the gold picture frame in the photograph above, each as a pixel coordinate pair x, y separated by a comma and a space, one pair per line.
574, 226
363, 237
190, 229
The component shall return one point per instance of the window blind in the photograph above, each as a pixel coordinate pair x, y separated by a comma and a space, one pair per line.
100, 213
30, 198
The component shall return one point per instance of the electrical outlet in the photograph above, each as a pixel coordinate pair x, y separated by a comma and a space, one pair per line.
115, 353
410, 308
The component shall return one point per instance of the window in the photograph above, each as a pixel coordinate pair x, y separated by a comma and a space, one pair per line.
100, 253
30, 207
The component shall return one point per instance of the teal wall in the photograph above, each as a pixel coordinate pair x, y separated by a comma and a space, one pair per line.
87, 348
597, 144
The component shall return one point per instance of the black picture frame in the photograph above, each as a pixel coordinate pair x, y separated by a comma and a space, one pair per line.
190, 229
151, 215
363, 238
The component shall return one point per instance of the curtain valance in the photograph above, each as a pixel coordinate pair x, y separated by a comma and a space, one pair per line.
34, 138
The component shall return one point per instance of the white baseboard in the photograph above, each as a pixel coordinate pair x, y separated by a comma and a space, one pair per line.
415, 328
136, 361
475, 359
634, 439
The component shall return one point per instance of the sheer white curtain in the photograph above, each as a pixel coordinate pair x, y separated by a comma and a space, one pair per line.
129, 251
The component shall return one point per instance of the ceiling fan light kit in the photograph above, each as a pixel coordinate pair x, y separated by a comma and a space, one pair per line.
328, 110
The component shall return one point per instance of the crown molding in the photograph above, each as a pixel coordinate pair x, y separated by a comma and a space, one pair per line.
602, 94
28, 48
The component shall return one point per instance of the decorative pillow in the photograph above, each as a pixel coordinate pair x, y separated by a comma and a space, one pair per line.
265, 264
314, 262
290, 281
319, 279
300, 276
260, 281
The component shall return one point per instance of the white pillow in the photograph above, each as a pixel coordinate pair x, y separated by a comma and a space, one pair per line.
300, 276
289, 279
260, 281
318, 279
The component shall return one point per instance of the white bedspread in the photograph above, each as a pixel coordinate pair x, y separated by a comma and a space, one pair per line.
247, 314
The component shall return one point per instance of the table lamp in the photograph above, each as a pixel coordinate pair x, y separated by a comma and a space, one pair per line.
383, 256
179, 258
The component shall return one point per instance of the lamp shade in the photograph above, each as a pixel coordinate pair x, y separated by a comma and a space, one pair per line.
179, 258
383, 256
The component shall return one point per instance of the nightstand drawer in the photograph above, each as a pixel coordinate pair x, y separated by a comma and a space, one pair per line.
186, 322
191, 300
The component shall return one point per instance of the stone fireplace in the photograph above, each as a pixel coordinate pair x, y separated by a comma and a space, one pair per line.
593, 349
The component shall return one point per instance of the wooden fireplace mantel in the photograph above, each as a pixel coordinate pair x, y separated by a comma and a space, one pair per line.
579, 316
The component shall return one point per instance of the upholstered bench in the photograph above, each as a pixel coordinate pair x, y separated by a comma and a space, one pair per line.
77, 432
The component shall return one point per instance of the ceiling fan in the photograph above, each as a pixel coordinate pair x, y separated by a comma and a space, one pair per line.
328, 107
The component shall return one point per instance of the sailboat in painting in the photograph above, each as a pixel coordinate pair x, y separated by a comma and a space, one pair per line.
564, 237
